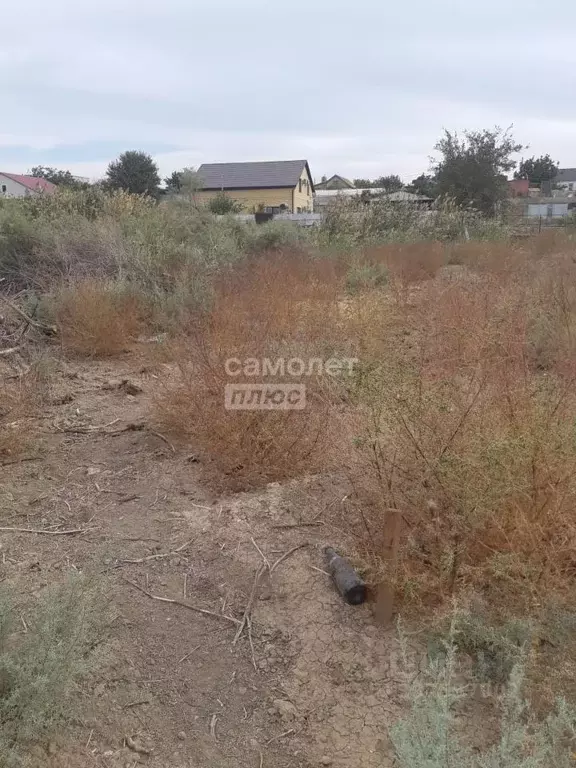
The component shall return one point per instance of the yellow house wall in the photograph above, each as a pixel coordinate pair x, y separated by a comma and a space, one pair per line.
304, 199
251, 198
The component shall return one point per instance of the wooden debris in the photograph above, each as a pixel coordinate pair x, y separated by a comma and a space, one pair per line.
183, 603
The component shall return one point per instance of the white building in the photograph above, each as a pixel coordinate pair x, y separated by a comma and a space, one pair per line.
566, 179
551, 207
16, 185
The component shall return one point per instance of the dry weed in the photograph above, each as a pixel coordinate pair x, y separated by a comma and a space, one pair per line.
464, 450
97, 319
284, 308
20, 397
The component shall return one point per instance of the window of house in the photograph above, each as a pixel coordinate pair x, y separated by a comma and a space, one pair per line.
299, 185
3, 187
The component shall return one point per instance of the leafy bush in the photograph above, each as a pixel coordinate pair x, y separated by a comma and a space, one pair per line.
222, 204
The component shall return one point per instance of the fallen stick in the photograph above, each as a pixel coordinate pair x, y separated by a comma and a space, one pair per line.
286, 555
249, 623
259, 572
136, 703
312, 524
156, 557
213, 722
48, 533
183, 603
28, 319
263, 568
280, 736
161, 436
9, 351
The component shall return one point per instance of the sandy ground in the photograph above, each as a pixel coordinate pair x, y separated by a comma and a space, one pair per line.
318, 684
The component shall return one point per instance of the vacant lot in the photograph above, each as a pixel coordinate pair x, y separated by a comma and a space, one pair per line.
194, 619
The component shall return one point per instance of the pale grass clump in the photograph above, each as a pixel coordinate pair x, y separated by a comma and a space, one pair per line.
39, 668
96, 318
441, 730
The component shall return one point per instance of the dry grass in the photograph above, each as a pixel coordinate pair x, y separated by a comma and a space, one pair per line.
457, 429
97, 319
464, 443
20, 397
286, 308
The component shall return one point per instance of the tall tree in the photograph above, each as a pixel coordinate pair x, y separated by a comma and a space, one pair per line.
134, 172
537, 169
472, 168
425, 184
391, 183
58, 177
173, 182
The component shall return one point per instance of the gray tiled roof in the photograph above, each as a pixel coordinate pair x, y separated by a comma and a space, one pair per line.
565, 174
279, 173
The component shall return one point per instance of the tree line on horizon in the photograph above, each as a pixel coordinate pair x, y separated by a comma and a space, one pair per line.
471, 169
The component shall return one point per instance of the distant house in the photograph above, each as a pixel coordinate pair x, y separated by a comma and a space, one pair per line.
16, 185
274, 187
325, 197
519, 187
566, 179
334, 182
551, 207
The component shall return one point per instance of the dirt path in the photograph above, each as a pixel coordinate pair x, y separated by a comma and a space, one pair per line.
317, 687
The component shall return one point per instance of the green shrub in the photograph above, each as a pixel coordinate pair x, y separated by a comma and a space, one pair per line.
363, 277
432, 735
40, 666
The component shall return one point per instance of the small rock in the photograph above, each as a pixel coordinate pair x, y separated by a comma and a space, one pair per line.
112, 384
325, 760
52, 748
285, 709
93, 471
182, 736
100, 689
242, 691
130, 388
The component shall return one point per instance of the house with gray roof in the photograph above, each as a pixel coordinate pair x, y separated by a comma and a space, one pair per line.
566, 179
274, 187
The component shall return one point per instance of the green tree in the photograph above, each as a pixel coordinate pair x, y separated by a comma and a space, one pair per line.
58, 177
134, 172
173, 182
425, 184
392, 183
472, 168
537, 170
221, 204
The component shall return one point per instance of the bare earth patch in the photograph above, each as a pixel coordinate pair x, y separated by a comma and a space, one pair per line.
318, 685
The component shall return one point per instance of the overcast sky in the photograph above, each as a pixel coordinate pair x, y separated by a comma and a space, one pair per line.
358, 87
